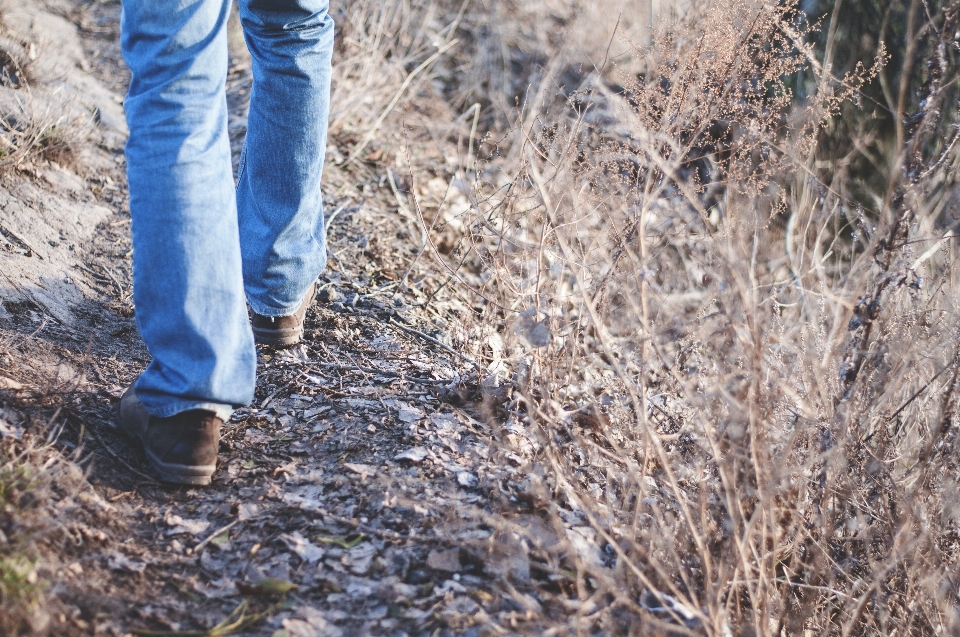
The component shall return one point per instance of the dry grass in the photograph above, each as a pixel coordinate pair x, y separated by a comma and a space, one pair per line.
36, 120
37, 485
742, 379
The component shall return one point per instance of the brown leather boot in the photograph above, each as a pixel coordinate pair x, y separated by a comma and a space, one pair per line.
182, 448
282, 331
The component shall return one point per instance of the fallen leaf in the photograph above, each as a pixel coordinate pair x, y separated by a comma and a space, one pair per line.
310, 622
10, 431
302, 547
364, 470
270, 586
9, 383
254, 437
362, 403
508, 557
670, 608
115, 391
211, 563
449, 586
316, 412
535, 333
467, 479
493, 389
416, 454
583, 540
537, 531
247, 510
117, 561
346, 541
360, 558
182, 526
409, 414
308, 498
221, 539
216, 589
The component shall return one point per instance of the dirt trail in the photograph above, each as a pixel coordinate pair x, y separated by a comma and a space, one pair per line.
362, 493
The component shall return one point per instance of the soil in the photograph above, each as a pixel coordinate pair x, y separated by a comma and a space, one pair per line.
368, 490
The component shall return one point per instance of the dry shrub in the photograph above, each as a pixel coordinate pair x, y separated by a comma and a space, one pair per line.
36, 121
43, 128
744, 381
36, 487
385, 54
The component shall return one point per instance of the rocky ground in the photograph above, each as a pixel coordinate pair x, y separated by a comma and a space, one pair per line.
375, 486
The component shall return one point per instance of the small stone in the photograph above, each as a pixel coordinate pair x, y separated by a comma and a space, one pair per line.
9, 383
328, 294
448, 561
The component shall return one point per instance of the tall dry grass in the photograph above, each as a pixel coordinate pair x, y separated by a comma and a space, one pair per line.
742, 378
740, 363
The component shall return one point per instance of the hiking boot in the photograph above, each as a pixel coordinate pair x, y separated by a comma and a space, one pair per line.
181, 448
282, 331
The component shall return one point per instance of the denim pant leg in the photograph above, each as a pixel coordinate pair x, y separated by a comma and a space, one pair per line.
278, 195
187, 268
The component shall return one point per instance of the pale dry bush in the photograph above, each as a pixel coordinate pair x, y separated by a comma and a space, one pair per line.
39, 126
744, 380
443, 57
37, 120
386, 52
38, 487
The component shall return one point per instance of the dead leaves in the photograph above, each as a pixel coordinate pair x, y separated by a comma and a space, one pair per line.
359, 559
302, 547
345, 542
416, 454
117, 561
309, 622
181, 526
363, 470
267, 587
235, 622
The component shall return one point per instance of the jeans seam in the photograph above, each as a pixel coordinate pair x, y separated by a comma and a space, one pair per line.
242, 163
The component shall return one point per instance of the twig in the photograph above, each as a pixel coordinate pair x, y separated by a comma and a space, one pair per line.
114, 455
396, 98
119, 287
233, 623
447, 348
7, 231
917, 393
383, 372
199, 547
329, 220
266, 401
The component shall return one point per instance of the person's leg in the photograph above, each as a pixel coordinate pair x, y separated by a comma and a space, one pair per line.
188, 286
278, 194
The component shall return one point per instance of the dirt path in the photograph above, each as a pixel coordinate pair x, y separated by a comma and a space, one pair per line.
362, 493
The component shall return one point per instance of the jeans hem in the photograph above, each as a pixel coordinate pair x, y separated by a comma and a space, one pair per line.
273, 312
223, 412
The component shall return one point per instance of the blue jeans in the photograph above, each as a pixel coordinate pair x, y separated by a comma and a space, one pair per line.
201, 245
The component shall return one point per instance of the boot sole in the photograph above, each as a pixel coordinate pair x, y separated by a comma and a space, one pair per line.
180, 473
277, 338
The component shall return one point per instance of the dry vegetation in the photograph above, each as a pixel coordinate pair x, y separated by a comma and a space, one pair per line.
726, 362
37, 490
37, 120
741, 378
